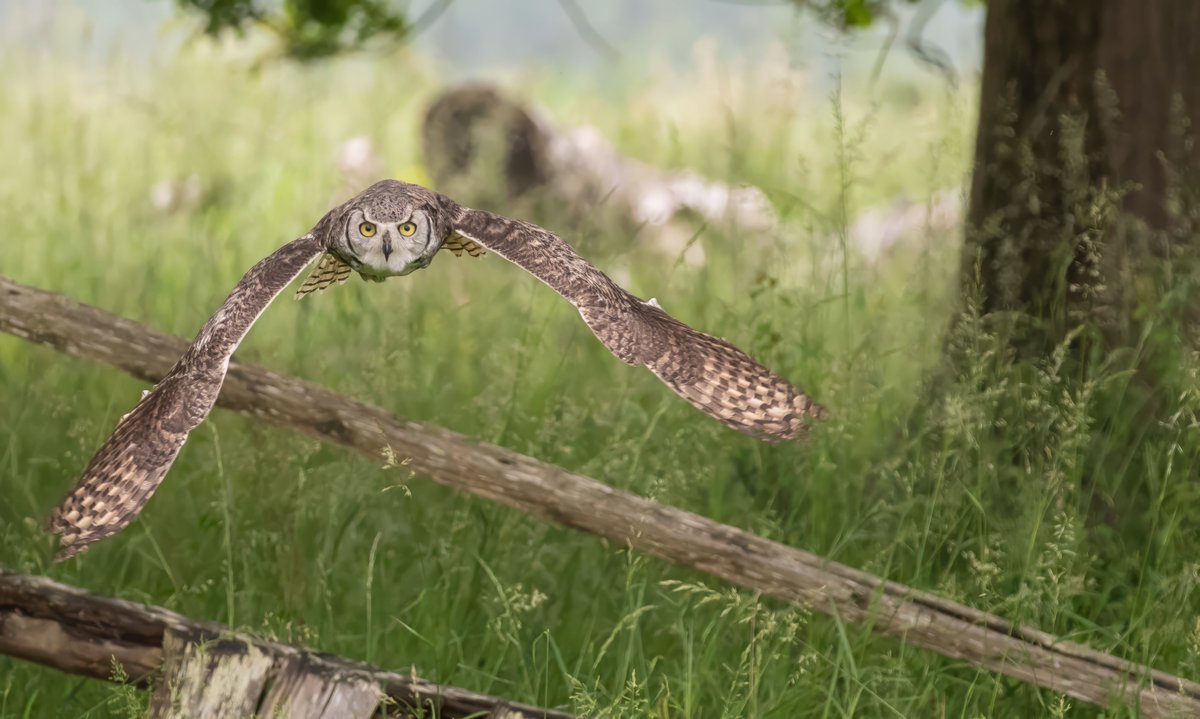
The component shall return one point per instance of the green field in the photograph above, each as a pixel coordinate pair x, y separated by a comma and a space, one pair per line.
1053, 494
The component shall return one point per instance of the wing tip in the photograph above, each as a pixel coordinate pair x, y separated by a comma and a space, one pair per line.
66, 536
69, 550
798, 424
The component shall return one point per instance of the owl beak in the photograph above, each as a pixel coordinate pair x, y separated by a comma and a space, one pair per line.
387, 247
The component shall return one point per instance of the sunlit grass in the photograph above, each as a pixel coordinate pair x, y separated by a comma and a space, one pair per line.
1034, 490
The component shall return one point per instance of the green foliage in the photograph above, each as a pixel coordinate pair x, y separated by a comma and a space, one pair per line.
308, 28
312, 29
1051, 492
850, 13
854, 14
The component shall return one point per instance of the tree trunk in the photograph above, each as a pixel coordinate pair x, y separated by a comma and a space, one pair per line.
1082, 160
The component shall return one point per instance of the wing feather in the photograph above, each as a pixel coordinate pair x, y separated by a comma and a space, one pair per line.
330, 270
130, 465
458, 244
723, 381
710, 373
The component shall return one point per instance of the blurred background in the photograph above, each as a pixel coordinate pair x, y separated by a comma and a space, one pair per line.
792, 182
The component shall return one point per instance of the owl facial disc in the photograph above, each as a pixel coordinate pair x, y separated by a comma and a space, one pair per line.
384, 242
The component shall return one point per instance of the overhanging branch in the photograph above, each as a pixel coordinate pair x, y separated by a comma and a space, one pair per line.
556, 495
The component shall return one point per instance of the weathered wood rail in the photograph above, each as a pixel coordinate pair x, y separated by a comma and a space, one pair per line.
203, 669
554, 494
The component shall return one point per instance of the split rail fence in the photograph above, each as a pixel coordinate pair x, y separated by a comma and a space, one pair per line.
556, 495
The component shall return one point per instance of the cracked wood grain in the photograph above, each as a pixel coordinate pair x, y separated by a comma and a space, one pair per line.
205, 669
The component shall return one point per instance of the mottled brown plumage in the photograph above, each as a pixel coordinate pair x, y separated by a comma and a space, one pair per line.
390, 229
129, 466
712, 374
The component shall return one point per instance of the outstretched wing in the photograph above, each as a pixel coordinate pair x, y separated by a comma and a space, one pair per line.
331, 270
722, 380
712, 374
131, 464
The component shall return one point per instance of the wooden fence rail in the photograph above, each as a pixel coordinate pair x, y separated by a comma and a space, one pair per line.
202, 669
554, 494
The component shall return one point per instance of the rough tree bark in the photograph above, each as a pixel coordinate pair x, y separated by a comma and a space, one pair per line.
1083, 112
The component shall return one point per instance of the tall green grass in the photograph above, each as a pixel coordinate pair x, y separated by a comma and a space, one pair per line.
1041, 490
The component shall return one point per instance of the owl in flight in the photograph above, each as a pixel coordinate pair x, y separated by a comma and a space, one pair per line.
393, 228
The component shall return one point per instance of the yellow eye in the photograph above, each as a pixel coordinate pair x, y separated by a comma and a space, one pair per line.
407, 229
367, 229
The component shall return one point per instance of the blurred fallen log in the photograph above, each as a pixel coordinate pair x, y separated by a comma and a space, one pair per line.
487, 149
474, 139
935, 222
556, 495
203, 669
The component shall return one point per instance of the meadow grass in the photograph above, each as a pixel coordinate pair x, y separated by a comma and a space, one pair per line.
1041, 490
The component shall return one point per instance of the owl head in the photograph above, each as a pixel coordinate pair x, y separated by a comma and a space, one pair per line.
391, 228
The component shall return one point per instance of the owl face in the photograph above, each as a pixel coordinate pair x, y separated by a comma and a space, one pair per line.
381, 242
